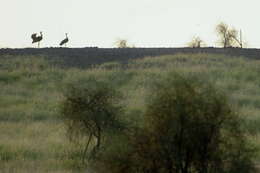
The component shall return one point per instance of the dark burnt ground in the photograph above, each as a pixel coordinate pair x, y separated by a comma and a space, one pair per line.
91, 56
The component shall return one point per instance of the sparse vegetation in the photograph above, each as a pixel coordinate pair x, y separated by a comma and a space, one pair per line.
122, 43
196, 42
33, 135
90, 111
188, 127
228, 37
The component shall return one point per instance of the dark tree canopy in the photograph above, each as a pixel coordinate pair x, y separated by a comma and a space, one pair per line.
91, 111
190, 127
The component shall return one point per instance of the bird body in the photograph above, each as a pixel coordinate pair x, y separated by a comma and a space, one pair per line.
36, 38
66, 40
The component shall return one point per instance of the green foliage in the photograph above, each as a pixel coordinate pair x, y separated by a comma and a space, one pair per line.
110, 65
33, 136
91, 110
190, 128
6, 154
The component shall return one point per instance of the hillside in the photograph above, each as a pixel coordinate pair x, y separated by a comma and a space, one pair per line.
91, 56
33, 137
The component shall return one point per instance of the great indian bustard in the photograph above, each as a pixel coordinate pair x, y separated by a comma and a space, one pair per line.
36, 38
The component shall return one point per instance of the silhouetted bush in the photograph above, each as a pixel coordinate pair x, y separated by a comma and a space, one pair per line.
90, 111
189, 127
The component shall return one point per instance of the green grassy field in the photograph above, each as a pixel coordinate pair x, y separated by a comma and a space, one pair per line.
32, 135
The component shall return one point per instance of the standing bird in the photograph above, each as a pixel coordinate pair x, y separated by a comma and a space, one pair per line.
36, 38
66, 40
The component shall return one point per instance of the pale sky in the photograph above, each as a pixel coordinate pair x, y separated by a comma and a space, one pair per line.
144, 23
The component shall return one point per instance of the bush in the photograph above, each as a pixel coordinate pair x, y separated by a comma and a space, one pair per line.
90, 111
190, 128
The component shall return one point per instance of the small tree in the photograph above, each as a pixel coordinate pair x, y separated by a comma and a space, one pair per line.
91, 111
196, 42
228, 36
122, 43
189, 128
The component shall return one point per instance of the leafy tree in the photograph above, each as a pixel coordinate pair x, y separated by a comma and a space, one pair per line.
192, 127
90, 112
189, 128
228, 36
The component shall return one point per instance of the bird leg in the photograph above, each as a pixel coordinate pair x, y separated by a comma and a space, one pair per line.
38, 44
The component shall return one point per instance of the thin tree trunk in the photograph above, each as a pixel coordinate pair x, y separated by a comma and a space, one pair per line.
86, 149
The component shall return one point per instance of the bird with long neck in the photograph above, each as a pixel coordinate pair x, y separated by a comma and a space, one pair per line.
65, 41
36, 38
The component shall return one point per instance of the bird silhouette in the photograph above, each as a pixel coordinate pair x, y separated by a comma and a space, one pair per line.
36, 38
65, 41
